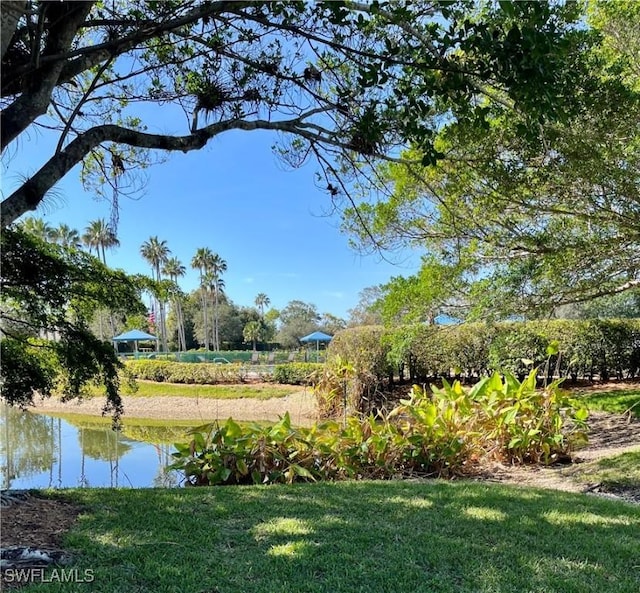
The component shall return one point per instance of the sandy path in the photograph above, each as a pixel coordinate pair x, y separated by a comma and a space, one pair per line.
300, 405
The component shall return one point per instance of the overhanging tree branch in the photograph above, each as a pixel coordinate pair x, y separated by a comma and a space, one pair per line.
31, 193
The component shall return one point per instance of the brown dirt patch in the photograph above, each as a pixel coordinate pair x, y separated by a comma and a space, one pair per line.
35, 522
609, 435
301, 406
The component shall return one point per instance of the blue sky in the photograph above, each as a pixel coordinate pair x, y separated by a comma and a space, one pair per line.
236, 198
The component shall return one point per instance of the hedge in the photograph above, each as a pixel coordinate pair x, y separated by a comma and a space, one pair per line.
297, 373
185, 372
364, 360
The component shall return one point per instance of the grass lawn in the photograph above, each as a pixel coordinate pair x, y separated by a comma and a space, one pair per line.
619, 470
244, 390
383, 537
618, 401
254, 391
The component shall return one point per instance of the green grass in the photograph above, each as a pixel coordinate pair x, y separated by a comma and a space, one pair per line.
259, 391
618, 471
617, 401
369, 537
243, 391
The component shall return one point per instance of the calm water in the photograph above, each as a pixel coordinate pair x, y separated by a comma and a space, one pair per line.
39, 451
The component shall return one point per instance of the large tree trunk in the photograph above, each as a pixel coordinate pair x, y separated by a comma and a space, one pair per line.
10, 13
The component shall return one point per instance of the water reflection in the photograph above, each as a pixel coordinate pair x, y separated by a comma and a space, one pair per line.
39, 451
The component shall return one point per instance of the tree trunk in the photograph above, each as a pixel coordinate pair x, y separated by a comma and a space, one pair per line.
10, 13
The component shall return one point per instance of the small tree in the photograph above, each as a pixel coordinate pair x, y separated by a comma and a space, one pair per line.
253, 332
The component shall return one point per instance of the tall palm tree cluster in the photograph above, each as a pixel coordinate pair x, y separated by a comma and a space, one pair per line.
165, 293
210, 266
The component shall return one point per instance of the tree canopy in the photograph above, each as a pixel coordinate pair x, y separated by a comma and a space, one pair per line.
515, 226
344, 83
49, 295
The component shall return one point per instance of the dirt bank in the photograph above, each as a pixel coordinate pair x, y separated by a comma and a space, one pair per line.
300, 405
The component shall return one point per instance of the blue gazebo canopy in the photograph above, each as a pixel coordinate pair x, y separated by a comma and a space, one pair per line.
135, 335
317, 337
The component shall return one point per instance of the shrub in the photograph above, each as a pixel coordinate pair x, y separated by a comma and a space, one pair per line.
443, 432
357, 364
297, 373
517, 347
184, 372
230, 454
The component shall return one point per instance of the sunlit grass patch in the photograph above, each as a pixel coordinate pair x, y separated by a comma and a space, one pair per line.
617, 401
251, 391
342, 537
618, 471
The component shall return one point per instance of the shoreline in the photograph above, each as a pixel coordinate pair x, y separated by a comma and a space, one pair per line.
300, 405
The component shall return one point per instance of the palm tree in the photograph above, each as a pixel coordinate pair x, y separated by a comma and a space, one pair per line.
174, 269
156, 253
252, 332
64, 235
262, 301
99, 235
202, 262
38, 227
217, 268
213, 285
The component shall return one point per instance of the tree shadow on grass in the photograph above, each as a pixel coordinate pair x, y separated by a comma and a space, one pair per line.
367, 536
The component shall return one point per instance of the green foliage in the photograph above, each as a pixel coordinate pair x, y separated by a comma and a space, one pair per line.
185, 372
54, 291
230, 454
357, 363
511, 226
297, 319
580, 348
363, 361
27, 366
443, 432
297, 373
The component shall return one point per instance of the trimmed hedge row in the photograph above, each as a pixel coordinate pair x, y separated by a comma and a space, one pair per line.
166, 371
604, 348
297, 373
362, 360
190, 373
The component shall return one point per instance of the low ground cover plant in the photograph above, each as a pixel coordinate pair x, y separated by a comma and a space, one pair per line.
442, 431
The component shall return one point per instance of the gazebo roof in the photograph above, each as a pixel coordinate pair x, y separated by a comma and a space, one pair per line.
317, 337
134, 335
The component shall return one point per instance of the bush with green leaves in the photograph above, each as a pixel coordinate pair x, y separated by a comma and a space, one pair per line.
297, 373
27, 366
185, 372
358, 363
227, 454
446, 431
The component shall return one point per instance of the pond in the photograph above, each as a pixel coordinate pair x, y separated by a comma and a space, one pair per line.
40, 451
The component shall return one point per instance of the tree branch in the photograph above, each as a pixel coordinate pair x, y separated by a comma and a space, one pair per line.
31, 193
30, 105
11, 12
